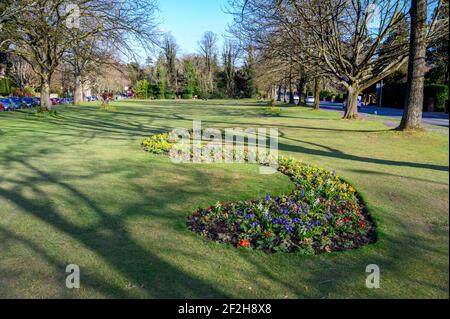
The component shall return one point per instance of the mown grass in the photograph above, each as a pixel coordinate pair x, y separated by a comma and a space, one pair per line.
76, 188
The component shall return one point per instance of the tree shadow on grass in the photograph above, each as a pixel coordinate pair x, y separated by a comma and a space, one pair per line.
107, 238
343, 274
335, 153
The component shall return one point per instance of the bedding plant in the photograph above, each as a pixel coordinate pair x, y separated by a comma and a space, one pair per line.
322, 214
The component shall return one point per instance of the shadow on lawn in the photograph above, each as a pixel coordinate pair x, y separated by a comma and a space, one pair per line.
107, 238
344, 273
335, 153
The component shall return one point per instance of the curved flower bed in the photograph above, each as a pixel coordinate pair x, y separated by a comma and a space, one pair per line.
322, 214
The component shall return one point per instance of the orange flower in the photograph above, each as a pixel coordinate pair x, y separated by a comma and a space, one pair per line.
267, 234
245, 243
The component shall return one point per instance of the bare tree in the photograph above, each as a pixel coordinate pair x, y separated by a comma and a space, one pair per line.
170, 50
208, 50
230, 55
419, 37
42, 33
20, 71
342, 39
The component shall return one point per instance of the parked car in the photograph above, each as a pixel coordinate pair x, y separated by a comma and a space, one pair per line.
2, 108
67, 100
310, 99
16, 101
37, 101
7, 104
55, 101
30, 102
20, 102
91, 98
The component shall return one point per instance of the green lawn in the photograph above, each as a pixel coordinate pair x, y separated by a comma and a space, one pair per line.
76, 188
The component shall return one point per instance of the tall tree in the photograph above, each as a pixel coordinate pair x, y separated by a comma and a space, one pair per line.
44, 30
208, 50
342, 38
230, 55
422, 34
412, 117
170, 50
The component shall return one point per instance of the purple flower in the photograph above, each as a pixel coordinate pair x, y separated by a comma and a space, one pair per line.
240, 213
267, 197
249, 216
302, 193
334, 173
285, 211
255, 224
296, 220
306, 211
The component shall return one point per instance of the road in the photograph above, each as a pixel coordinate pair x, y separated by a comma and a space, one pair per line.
438, 119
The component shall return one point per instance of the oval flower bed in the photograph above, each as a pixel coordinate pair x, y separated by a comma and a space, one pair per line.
322, 214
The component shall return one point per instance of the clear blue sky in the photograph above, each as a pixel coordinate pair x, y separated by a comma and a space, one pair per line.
187, 20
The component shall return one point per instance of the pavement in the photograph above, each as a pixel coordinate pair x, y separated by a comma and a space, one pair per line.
431, 118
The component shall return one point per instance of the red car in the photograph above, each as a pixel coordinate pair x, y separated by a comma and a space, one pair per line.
55, 101
2, 108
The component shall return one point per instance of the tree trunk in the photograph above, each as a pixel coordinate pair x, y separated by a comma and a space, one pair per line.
317, 83
78, 94
412, 116
351, 111
46, 104
301, 89
279, 93
291, 90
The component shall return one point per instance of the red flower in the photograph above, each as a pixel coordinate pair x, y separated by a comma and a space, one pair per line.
347, 220
245, 243
362, 224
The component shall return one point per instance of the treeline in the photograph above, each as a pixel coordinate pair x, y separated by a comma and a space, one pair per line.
228, 72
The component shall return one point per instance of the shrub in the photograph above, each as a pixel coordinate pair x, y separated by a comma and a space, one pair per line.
5, 86
141, 89
327, 95
438, 92
157, 144
170, 95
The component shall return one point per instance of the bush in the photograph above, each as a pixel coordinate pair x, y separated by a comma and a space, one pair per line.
327, 95
141, 89
170, 95
5, 86
438, 92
